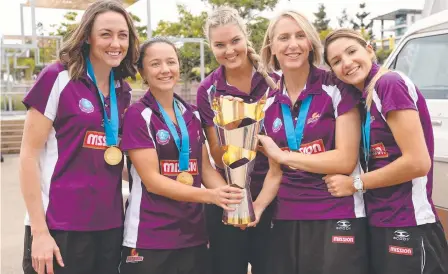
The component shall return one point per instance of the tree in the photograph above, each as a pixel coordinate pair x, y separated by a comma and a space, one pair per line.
321, 23
67, 26
141, 30
248, 9
257, 29
364, 27
343, 21
47, 46
190, 25
382, 54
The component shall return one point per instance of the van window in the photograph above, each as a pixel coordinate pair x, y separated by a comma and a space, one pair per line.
425, 61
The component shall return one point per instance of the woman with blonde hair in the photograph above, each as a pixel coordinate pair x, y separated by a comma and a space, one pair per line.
313, 129
405, 233
70, 166
240, 75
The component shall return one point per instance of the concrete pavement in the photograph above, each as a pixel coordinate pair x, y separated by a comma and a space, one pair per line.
12, 216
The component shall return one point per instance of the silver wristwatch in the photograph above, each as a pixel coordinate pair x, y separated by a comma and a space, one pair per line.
358, 184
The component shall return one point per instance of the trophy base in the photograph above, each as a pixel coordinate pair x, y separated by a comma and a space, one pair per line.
243, 213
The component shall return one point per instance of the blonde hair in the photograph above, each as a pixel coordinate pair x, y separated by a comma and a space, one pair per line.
224, 15
354, 35
75, 49
270, 61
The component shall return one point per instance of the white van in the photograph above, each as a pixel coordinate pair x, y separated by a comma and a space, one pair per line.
422, 54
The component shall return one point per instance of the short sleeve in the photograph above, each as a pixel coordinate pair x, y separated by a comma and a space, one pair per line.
45, 93
204, 107
350, 98
201, 131
394, 92
136, 129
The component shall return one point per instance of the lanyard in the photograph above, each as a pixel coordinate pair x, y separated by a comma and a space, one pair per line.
295, 135
366, 138
110, 125
182, 145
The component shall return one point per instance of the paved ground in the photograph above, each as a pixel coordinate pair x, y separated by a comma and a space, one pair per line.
12, 215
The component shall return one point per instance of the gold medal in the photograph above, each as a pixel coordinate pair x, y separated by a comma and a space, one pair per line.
185, 178
113, 155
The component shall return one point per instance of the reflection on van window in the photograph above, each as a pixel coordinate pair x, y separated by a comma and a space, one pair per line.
425, 61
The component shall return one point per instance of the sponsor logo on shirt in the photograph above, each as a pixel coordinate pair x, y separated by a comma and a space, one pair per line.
313, 147
134, 257
400, 250
171, 167
95, 140
343, 225
86, 106
401, 235
343, 239
309, 148
378, 151
277, 125
313, 118
162, 137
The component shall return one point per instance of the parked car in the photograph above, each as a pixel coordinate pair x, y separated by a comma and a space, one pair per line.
422, 54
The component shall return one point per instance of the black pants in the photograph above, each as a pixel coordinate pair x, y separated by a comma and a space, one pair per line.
191, 260
319, 247
96, 252
231, 249
412, 250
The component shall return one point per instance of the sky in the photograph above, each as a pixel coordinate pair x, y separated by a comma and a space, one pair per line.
166, 10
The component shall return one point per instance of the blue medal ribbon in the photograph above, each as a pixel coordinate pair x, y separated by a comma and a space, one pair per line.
366, 138
182, 145
110, 125
295, 135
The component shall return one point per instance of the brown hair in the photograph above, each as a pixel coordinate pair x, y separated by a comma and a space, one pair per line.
270, 61
75, 49
149, 43
224, 15
354, 35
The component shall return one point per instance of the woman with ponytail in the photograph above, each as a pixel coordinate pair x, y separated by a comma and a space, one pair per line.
242, 76
405, 233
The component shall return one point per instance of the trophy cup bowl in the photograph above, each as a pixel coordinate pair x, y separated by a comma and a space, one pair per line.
240, 146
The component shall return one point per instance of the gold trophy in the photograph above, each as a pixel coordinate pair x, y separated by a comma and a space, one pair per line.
240, 148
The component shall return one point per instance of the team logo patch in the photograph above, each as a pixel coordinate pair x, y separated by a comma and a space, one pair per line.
313, 118
343, 225
162, 137
86, 106
378, 151
343, 239
134, 257
95, 140
277, 125
171, 167
399, 250
401, 235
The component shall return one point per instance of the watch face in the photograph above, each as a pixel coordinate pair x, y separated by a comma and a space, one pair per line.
358, 184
